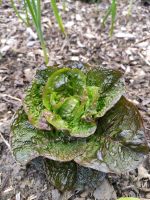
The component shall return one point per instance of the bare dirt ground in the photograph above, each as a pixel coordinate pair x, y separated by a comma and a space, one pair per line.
20, 55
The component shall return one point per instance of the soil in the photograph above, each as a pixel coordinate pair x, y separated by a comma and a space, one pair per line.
87, 41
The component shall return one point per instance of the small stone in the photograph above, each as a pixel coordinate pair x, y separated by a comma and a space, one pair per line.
32, 34
55, 194
69, 24
125, 35
78, 17
74, 58
2, 88
31, 43
84, 194
3, 107
28, 74
105, 191
18, 196
148, 195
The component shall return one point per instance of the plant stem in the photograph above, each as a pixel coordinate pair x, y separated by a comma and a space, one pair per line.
35, 11
17, 13
57, 15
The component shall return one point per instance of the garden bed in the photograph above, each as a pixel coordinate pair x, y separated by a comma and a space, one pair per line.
127, 50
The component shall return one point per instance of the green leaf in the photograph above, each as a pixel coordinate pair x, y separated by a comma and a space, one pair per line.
28, 142
33, 100
34, 7
61, 174
79, 116
111, 11
117, 146
72, 99
65, 98
64, 82
17, 12
57, 16
113, 16
119, 141
94, 96
111, 88
69, 175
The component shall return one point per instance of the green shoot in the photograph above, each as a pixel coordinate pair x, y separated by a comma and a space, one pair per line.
34, 8
17, 13
57, 15
27, 13
113, 16
130, 7
111, 11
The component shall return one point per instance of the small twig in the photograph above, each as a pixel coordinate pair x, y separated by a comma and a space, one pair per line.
146, 61
7, 95
5, 141
144, 190
143, 40
129, 187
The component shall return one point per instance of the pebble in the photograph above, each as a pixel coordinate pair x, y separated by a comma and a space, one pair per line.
84, 194
55, 194
2, 88
3, 107
105, 191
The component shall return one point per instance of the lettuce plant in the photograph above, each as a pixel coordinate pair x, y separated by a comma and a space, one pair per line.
76, 117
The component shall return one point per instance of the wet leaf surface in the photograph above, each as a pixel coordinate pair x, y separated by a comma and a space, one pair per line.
33, 103
29, 142
69, 175
71, 98
117, 145
120, 141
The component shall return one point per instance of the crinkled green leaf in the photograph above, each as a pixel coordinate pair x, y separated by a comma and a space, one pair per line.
64, 82
74, 98
111, 88
65, 97
119, 143
61, 174
33, 100
64, 106
29, 142
69, 175
71, 99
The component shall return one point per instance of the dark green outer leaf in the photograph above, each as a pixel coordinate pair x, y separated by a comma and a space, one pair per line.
69, 175
111, 87
29, 142
121, 143
118, 145
109, 150
62, 175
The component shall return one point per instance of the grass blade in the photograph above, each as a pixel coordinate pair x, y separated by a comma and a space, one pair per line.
30, 6
111, 11
35, 11
130, 7
27, 14
106, 16
17, 13
57, 15
113, 16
